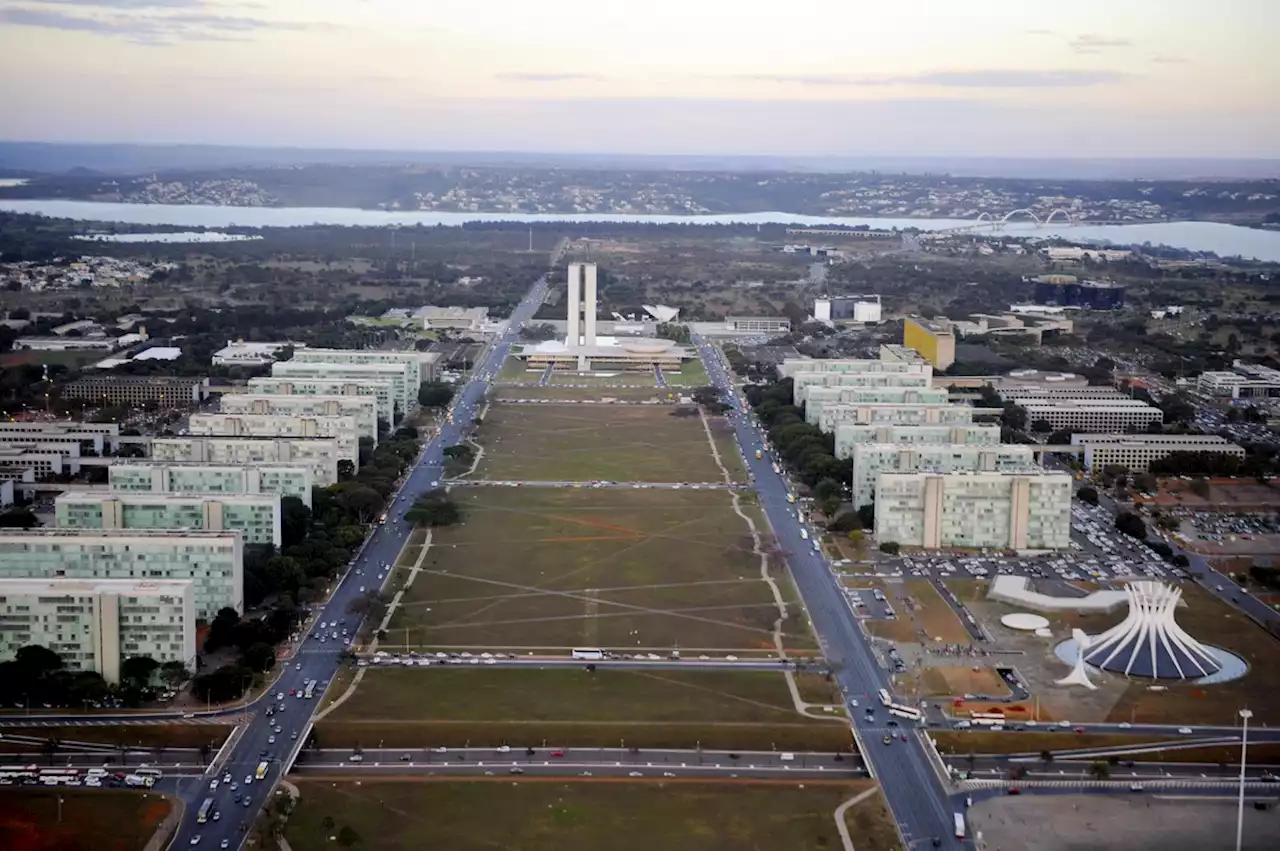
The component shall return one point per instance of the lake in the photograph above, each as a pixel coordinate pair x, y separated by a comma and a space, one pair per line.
186, 236
1223, 240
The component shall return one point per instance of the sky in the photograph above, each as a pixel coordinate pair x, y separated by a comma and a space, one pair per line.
1004, 78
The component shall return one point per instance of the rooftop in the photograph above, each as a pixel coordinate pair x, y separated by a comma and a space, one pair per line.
122, 587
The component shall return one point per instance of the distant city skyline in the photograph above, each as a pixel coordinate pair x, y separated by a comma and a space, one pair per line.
1092, 78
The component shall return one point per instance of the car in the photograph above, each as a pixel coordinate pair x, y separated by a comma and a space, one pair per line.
634, 774
226, 843
902, 736
515, 769
557, 753
234, 787
1079, 729
280, 695
271, 740
195, 840
1125, 725
246, 800
213, 785
1136, 787
298, 667
248, 779
505, 749
294, 735
888, 740
1186, 731
217, 814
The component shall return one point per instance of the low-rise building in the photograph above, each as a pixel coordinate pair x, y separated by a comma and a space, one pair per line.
1096, 415
382, 391
870, 460
1242, 381
1135, 452
95, 436
340, 429
401, 374
255, 516
322, 456
213, 562
758, 324
364, 409
21, 463
1008, 511
452, 318
96, 624
240, 353
160, 477
849, 435
170, 391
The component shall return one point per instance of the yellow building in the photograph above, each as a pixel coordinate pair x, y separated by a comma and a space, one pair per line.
935, 341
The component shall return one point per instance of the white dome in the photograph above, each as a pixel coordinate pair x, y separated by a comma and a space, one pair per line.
1025, 621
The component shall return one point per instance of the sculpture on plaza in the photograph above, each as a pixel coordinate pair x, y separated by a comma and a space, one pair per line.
1078, 676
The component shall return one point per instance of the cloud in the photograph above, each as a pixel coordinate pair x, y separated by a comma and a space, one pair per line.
148, 29
1171, 60
1039, 32
981, 79
1091, 43
546, 76
129, 4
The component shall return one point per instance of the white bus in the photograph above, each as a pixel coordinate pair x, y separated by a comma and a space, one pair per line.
153, 773
309, 690
986, 719
905, 712
959, 825
262, 770
884, 697
593, 654
206, 809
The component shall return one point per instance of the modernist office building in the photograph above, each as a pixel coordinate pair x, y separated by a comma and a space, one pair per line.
1014, 511
321, 456
364, 409
849, 435
95, 624
820, 399
165, 390
790, 367
412, 359
902, 413
340, 429
935, 340
1135, 452
804, 384
382, 391
95, 436
159, 477
401, 376
1091, 295
1100, 415
870, 460
213, 562
255, 516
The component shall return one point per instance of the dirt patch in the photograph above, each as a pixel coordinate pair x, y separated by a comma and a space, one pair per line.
99, 820
948, 682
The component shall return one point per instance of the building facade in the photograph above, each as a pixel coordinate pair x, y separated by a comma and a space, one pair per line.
935, 341
159, 477
213, 562
1097, 415
412, 360
255, 516
363, 409
1135, 452
383, 392
240, 353
322, 456
167, 391
804, 383
94, 625
791, 366
883, 414
870, 460
342, 430
849, 435
758, 324
1007, 511
401, 375
1089, 295
95, 436
1242, 381
819, 399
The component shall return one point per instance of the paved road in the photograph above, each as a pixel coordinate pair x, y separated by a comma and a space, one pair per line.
466, 483
321, 661
909, 782
630, 664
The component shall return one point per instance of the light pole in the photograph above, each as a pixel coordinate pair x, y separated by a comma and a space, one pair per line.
1245, 715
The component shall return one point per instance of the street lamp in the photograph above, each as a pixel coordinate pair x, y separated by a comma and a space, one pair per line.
1245, 715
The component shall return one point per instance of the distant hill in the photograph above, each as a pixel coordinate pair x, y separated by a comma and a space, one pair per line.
58, 158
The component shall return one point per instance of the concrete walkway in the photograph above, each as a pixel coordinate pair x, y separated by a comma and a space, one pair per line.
841, 810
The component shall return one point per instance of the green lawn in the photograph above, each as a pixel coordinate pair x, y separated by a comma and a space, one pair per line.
555, 815
692, 374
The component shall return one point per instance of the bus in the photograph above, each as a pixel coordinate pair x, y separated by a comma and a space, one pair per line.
206, 810
905, 712
262, 770
309, 690
986, 719
959, 825
153, 773
593, 654
885, 700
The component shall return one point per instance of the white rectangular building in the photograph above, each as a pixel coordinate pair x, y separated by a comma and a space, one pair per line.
363, 408
1006, 511
401, 374
849, 435
95, 624
790, 366
822, 398
1101, 415
161, 477
888, 413
95, 436
870, 460
383, 392
240, 353
411, 359
340, 429
255, 516
1135, 452
213, 562
1242, 381
804, 384
322, 456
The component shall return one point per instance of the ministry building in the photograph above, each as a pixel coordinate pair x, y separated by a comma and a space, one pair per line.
255, 516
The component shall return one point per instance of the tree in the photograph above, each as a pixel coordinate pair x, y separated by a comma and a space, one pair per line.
1200, 487
1100, 770
347, 836
295, 520
1131, 524
1087, 495
360, 501
222, 629
36, 661
890, 548
1042, 426
18, 518
259, 657
174, 674
435, 394
1145, 482
1168, 522
326, 824
434, 509
1046, 757
138, 670
867, 516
